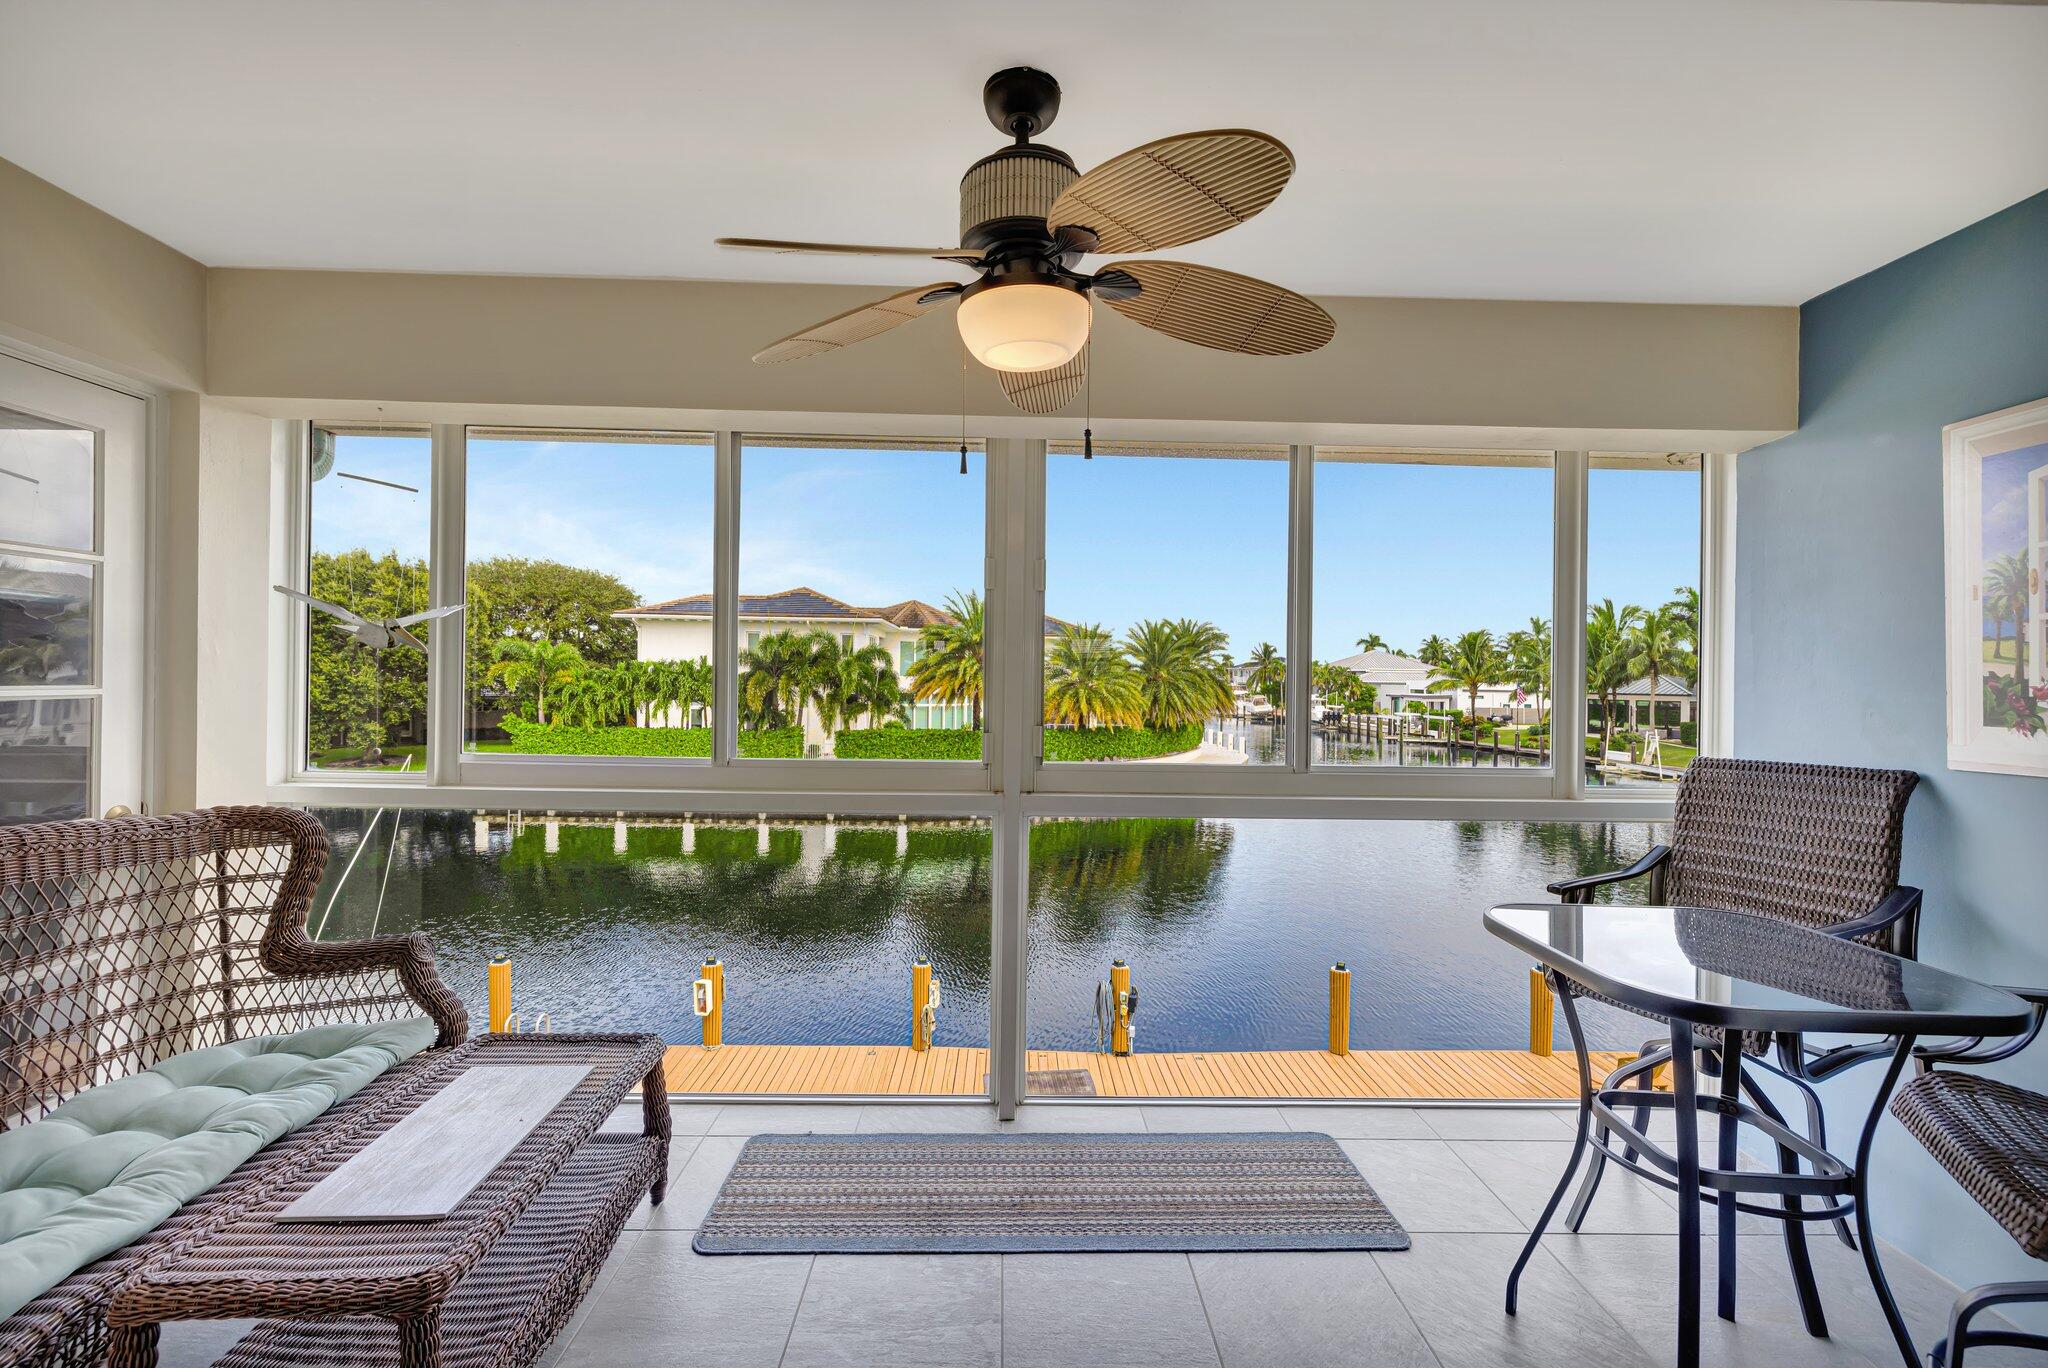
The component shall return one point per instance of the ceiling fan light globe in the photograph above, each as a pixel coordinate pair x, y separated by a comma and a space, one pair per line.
1024, 327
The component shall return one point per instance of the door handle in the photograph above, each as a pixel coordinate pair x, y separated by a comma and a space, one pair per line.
119, 810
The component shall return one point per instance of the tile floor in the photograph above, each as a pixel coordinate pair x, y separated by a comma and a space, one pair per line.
1464, 1181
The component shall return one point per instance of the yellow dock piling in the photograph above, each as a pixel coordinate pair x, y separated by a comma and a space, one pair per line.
1340, 1009
499, 980
1122, 1006
1542, 1013
710, 1003
921, 1016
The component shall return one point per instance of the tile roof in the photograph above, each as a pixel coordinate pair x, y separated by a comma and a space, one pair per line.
807, 604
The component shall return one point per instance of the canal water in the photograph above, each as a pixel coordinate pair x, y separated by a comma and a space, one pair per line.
1230, 927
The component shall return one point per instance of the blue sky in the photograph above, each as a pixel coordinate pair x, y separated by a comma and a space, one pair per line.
1402, 550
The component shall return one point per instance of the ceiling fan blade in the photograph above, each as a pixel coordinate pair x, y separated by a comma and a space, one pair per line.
1046, 391
1176, 190
347, 615
963, 254
855, 325
428, 616
1222, 309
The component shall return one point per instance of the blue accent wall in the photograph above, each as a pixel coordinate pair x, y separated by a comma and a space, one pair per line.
1839, 628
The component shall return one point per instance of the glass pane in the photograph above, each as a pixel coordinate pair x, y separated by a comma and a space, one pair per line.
1432, 608
45, 620
1642, 617
370, 526
46, 483
584, 549
1229, 929
880, 541
818, 927
45, 759
1166, 603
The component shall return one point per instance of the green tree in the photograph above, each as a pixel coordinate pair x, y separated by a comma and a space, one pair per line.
1372, 641
948, 666
1179, 677
1268, 676
524, 666
356, 698
1656, 649
543, 600
1685, 610
1433, 650
778, 680
1528, 656
1607, 653
869, 687
681, 686
1472, 661
590, 698
1089, 683
2006, 597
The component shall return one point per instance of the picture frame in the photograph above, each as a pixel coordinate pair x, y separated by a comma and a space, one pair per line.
1995, 521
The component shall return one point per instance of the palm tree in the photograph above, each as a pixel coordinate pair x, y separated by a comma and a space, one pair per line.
948, 666
1372, 641
1269, 672
777, 679
591, 698
1685, 608
541, 665
1607, 630
1433, 650
2005, 596
687, 685
870, 687
1472, 662
1656, 648
1528, 654
1177, 672
1088, 681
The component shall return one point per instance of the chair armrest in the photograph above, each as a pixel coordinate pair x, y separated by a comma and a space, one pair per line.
1902, 902
289, 953
1975, 1050
1579, 889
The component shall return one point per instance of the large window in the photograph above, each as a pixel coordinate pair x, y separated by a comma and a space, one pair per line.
861, 599
1643, 617
370, 525
1432, 608
588, 626
1166, 604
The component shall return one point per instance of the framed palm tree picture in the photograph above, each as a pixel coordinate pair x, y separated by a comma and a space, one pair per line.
1995, 502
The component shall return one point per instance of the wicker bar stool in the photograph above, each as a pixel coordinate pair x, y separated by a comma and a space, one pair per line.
1993, 1139
1814, 845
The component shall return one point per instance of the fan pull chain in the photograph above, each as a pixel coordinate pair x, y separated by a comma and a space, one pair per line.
963, 408
1088, 398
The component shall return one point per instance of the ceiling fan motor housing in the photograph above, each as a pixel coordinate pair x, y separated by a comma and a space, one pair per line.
1005, 196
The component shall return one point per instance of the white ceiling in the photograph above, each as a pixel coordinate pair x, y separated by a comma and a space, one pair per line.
1746, 151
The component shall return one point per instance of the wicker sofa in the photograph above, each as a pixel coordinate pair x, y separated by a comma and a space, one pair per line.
129, 943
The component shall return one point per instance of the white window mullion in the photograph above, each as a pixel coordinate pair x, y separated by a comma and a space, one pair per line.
1301, 485
1013, 716
1716, 690
447, 582
1568, 627
725, 600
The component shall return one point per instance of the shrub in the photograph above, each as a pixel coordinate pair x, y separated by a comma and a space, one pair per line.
530, 738
1121, 743
902, 743
1689, 734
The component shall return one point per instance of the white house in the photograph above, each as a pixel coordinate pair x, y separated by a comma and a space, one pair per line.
1402, 680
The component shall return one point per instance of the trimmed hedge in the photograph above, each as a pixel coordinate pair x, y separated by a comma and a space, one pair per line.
1121, 743
530, 738
904, 743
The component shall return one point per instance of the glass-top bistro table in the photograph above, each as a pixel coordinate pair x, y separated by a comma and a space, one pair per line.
1710, 973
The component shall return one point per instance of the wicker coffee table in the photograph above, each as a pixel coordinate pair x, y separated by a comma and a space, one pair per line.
489, 1284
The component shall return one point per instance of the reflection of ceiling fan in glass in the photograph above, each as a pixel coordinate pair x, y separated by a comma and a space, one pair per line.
374, 633
1028, 216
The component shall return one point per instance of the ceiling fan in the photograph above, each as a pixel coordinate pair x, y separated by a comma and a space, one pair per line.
376, 634
1028, 216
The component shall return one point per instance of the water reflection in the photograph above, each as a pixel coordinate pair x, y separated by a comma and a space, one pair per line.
1229, 925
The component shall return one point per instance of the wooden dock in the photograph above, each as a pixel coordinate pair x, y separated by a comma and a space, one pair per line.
951, 1071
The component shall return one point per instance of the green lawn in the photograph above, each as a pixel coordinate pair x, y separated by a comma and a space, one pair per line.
395, 757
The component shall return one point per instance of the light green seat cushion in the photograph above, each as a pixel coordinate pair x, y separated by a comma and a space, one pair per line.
118, 1160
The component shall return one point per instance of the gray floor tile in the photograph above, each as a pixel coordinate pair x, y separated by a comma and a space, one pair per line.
681, 1148
926, 1118
1306, 1310
1851, 1306
1183, 1120
1452, 1286
1524, 1173
1075, 1117
665, 1303
605, 1273
905, 1310
1062, 1310
1360, 1123
792, 1118
1499, 1123
1428, 1187
195, 1344
1635, 1278
692, 1118
693, 1185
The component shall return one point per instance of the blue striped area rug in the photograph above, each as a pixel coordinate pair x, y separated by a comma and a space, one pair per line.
1040, 1193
